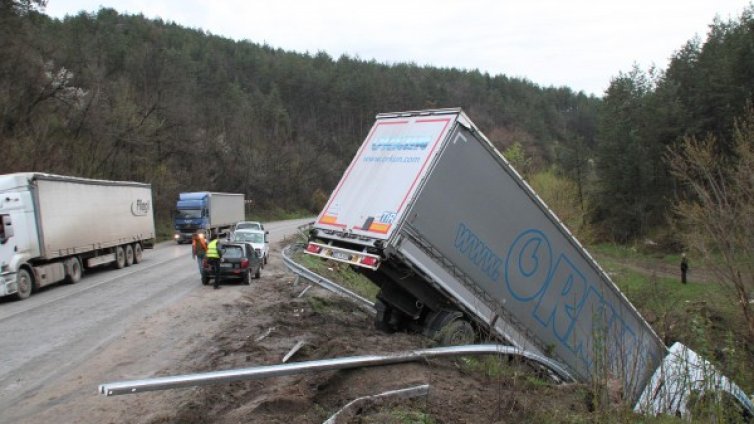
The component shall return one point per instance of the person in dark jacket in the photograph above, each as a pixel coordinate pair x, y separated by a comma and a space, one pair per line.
684, 267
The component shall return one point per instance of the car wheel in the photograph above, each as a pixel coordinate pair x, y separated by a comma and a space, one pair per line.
258, 273
247, 278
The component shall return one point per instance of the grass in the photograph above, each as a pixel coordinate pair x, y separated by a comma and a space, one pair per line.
276, 215
412, 417
341, 273
702, 315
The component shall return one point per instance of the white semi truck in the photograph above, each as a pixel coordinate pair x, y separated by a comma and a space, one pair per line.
459, 245
55, 226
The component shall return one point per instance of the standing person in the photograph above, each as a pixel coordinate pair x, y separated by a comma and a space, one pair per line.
684, 267
198, 248
213, 257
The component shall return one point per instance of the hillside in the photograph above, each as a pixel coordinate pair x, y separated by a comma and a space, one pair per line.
114, 96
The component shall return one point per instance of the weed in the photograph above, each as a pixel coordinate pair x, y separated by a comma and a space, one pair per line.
412, 417
320, 305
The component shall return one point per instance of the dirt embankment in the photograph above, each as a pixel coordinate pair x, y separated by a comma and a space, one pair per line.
332, 326
258, 325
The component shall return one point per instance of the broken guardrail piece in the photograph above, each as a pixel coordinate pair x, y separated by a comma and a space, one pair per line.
349, 362
407, 393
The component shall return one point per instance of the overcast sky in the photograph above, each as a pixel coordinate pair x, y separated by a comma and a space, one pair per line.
581, 44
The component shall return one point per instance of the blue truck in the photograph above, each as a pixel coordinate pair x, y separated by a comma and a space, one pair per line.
213, 213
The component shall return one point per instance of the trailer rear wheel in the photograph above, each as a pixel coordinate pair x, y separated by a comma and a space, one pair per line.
24, 283
138, 253
382, 319
456, 332
73, 270
129, 255
120, 257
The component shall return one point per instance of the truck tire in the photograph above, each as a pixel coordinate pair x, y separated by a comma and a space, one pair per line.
138, 253
25, 285
73, 270
129, 255
456, 332
382, 319
120, 257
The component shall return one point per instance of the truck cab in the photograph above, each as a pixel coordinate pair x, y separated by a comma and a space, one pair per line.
191, 215
18, 233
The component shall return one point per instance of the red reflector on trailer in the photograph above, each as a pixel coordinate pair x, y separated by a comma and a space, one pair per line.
313, 248
369, 261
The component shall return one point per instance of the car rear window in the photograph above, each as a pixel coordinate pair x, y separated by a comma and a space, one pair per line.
232, 252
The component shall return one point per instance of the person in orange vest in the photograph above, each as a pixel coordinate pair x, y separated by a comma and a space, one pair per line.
198, 248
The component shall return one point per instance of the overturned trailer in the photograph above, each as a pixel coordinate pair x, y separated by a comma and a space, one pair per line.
459, 243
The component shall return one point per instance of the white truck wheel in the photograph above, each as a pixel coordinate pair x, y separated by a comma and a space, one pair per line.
73, 270
138, 253
25, 285
120, 257
129, 255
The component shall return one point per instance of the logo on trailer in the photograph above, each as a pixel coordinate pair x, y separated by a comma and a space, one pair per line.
140, 207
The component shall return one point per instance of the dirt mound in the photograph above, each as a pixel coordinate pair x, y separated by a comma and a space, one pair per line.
266, 323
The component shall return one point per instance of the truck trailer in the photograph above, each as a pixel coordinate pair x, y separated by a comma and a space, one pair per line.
55, 226
213, 213
461, 246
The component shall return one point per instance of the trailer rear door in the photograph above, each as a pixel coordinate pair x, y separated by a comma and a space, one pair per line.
374, 191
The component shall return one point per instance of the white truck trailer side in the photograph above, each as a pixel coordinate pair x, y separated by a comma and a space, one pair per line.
458, 242
55, 226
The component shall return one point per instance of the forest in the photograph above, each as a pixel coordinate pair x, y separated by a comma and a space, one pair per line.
114, 96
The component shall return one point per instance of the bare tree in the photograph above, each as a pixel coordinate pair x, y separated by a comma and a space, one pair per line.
717, 215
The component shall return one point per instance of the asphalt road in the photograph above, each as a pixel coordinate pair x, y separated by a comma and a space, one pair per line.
61, 327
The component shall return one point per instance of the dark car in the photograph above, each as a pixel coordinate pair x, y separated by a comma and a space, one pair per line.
239, 261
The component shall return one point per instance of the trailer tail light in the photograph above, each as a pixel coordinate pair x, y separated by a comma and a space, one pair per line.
369, 261
313, 248
244, 263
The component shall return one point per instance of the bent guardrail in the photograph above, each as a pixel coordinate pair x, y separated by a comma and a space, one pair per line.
307, 274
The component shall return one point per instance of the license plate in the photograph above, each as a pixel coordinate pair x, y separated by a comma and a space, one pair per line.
226, 265
342, 256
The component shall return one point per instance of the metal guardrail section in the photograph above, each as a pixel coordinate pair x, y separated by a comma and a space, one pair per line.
302, 271
260, 372
407, 393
